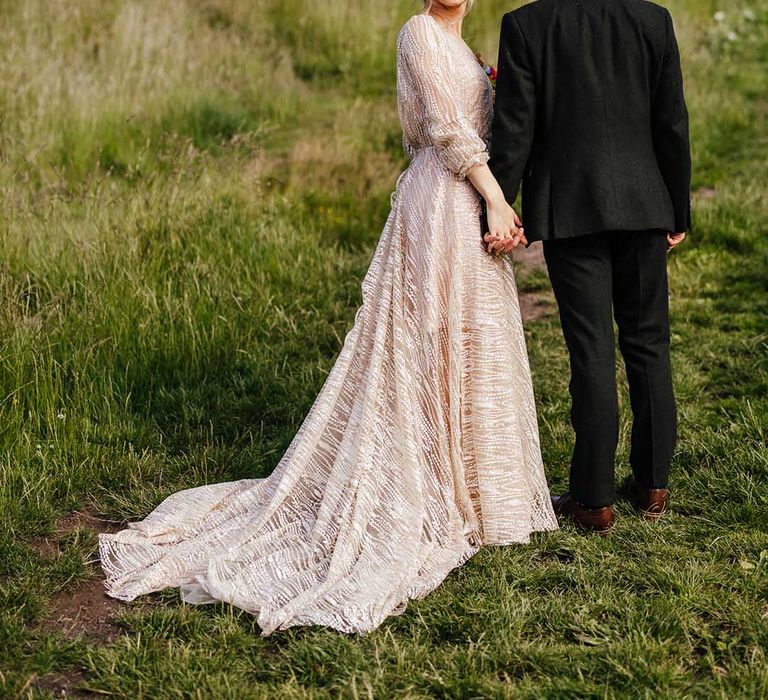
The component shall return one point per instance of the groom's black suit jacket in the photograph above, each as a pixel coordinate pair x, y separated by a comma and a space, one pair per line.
590, 116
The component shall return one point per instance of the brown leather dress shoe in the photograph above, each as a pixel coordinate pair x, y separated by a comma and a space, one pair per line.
651, 503
598, 520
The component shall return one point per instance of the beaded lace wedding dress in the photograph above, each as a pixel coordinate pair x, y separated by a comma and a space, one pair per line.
422, 445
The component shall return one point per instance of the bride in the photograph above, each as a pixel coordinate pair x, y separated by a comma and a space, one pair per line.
422, 446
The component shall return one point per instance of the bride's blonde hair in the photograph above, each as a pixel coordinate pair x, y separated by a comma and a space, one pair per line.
428, 5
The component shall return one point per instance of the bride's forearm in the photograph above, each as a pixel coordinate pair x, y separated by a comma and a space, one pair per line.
486, 184
504, 227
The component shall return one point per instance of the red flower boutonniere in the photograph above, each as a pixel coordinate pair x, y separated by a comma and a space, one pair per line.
490, 71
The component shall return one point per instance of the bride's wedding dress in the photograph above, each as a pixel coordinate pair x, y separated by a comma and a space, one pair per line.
422, 445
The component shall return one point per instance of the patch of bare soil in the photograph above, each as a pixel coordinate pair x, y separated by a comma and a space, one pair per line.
83, 608
532, 256
62, 685
533, 305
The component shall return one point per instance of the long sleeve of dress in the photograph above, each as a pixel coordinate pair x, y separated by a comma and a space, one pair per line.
427, 50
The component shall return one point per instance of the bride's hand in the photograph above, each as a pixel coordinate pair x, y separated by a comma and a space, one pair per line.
505, 229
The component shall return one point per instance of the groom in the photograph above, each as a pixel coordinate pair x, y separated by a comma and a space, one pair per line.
590, 117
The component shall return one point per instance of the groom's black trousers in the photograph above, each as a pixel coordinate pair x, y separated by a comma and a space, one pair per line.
596, 278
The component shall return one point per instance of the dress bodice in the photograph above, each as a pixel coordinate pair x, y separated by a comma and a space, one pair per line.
444, 97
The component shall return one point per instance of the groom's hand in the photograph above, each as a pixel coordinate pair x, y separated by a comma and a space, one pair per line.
674, 239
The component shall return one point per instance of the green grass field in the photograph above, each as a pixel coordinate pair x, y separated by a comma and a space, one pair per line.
191, 192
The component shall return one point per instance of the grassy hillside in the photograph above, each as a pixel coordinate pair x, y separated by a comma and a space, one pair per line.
191, 192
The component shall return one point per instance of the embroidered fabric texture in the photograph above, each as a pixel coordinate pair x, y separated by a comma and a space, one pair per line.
422, 445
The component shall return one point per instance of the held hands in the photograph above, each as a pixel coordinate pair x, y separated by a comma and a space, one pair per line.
505, 230
674, 239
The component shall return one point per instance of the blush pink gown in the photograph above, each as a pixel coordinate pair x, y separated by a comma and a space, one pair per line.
421, 447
